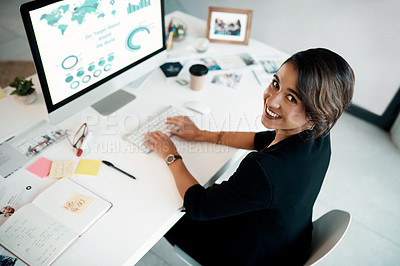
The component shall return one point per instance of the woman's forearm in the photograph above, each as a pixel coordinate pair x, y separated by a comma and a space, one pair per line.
240, 140
183, 179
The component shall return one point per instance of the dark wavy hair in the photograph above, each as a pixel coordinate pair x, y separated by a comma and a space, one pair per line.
326, 84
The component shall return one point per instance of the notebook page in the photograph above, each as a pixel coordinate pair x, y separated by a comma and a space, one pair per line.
34, 236
57, 199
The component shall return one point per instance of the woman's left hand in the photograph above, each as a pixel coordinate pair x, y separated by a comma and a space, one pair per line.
160, 143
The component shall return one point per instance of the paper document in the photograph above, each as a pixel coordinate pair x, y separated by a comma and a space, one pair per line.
62, 169
10, 160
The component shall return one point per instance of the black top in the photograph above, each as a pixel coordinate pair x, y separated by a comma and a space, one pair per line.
262, 214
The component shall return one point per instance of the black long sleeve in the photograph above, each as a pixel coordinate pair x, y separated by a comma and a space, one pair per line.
262, 214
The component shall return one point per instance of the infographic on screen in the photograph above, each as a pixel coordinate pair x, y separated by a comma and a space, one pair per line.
83, 41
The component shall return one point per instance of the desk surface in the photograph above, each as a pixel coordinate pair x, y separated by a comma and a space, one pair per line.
145, 209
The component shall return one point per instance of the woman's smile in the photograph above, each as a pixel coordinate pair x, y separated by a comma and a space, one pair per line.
270, 114
283, 109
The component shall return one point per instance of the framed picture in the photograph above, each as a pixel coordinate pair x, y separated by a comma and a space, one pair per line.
228, 25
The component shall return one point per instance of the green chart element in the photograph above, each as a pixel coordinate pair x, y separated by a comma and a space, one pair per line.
135, 47
142, 4
69, 62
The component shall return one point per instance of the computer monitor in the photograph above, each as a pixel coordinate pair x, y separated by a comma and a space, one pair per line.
85, 50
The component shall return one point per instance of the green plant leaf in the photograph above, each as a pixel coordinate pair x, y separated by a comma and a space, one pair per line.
22, 86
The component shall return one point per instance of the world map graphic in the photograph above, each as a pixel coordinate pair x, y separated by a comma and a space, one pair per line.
62, 16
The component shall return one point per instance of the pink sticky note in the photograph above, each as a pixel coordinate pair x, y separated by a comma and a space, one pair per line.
41, 167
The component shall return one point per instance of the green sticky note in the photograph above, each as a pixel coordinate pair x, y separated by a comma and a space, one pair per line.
88, 167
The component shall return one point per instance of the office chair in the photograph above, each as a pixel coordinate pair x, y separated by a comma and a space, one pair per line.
328, 230
185, 257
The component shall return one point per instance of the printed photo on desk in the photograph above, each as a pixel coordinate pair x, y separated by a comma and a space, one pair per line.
229, 25
267, 66
227, 62
230, 80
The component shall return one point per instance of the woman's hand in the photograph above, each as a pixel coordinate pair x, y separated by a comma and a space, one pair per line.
187, 129
160, 143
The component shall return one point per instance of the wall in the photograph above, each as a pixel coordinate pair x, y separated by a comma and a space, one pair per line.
365, 33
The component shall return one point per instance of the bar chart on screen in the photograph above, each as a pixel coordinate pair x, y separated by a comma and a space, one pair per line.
142, 4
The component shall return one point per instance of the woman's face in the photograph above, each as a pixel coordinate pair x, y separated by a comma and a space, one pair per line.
283, 109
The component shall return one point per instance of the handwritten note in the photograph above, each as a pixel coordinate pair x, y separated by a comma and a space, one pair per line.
35, 235
77, 203
88, 167
62, 169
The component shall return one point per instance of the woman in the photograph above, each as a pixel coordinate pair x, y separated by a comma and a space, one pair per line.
7, 211
262, 214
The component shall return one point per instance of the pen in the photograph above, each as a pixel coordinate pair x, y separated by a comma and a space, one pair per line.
111, 165
255, 75
10, 138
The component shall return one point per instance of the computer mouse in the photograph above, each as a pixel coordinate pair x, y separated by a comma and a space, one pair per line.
199, 107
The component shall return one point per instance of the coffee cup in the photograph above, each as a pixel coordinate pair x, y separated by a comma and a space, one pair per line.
198, 74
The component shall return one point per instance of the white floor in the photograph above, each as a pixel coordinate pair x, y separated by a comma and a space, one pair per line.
363, 178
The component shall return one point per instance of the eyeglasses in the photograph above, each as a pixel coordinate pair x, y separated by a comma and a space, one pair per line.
79, 137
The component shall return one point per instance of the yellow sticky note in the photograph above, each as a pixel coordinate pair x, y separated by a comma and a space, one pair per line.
2, 94
88, 167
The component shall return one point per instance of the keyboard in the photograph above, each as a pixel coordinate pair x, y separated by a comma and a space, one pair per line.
157, 123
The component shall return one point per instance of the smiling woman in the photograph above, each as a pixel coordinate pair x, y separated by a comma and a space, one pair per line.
262, 214
326, 84
308, 94
283, 108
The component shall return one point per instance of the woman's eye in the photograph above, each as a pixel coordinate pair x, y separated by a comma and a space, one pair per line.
275, 84
292, 99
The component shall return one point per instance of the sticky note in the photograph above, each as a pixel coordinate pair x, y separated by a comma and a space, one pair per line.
88, 167
78, 203
41, 167
62, 169
2, 94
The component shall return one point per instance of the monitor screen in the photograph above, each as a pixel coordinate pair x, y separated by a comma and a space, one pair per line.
82, 45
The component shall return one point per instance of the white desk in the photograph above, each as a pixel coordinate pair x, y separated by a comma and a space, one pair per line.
146, 208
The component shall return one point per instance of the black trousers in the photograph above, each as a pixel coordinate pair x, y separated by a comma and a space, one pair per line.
212, 242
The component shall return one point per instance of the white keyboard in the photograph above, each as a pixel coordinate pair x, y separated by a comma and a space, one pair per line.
157, 123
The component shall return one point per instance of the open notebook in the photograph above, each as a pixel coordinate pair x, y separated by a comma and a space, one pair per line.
40, 231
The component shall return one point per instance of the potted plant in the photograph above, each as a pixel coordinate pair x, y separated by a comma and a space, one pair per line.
24, 90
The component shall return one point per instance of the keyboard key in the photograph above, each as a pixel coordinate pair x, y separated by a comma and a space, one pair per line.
156, 123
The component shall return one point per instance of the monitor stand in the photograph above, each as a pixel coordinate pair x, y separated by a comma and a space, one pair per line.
118, 99
113, 102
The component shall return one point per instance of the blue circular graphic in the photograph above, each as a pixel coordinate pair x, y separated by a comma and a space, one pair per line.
102, 62
69, 62
91, 67
80, 73
69, 79
86, 79
110, 58
97, 73
129, 45
107, 67
74, 85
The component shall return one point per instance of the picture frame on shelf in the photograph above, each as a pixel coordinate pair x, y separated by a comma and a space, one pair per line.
229, 25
